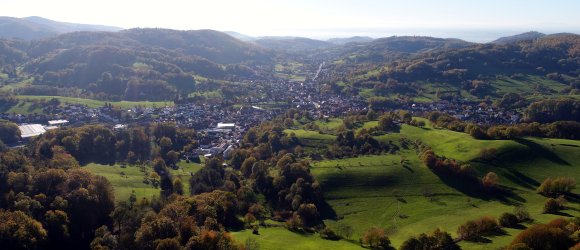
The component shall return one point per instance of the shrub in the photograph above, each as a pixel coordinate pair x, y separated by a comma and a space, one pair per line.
519, 246
522, 213
345, 231
329, 234
553, 187
490, 180
552, 206
508, 220
543, 237
294, 223
438, 239
472, 230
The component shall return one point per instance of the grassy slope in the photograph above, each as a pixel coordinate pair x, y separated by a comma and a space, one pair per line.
526, 86
123, 185
132, 180
364, 191
282, 239
95, 103
312, 139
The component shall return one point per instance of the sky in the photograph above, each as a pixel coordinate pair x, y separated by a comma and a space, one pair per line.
475, 20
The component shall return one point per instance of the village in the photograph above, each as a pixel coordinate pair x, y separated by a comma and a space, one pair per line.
220, 126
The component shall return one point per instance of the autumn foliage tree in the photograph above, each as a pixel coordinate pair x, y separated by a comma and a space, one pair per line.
552, 187
551, 236
438, 239
376, 238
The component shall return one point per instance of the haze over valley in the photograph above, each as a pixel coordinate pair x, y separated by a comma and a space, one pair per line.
290, 125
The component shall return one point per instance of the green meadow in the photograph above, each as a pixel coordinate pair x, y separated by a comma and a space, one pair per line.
128, 179
398, 193
96, 103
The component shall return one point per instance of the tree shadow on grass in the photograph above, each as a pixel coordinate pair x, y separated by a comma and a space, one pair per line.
472, 187
560, 213
326, 211
521, 179
542, 151
485, 237
519, 226
572, 198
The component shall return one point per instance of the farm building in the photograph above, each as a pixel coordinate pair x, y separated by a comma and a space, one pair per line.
31, 130
222, 125
57, 122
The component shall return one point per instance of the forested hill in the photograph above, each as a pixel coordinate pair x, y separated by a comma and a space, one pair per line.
134, 64
292, 44
391, 48
559, 54
31, 28
476, 69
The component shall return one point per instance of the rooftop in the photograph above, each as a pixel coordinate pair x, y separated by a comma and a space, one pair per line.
57, 122
31, 130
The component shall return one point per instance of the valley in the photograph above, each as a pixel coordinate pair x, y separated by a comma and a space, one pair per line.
153, 138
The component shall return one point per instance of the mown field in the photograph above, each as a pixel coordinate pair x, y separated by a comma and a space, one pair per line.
128, 179
398, 193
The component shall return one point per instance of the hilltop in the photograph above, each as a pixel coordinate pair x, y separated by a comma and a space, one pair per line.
531, 35
34, 27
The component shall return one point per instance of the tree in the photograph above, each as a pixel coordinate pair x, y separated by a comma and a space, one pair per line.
490, 181
208, 178
475, 131
309, 214
9, 132
56, 222
251, 136
19, 231
438, 239
168, 244
473, 229
294, 224
557, 186
508, 220
553, 206
166, 185
212, 240
178, 186
521, 212
375, 238
386, 123
166, 144
154, 228
104, 239
172, 157
543, 237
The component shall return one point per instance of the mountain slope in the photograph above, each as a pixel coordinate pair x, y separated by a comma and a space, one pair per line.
481, 70
520, 37
136, 64
392, 48
65, 27
354, 39
31, 28
292, 44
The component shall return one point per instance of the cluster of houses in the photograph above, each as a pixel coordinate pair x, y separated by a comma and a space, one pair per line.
221, 126
470, 111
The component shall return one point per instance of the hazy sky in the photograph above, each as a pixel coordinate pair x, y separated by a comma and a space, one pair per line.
317, 18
